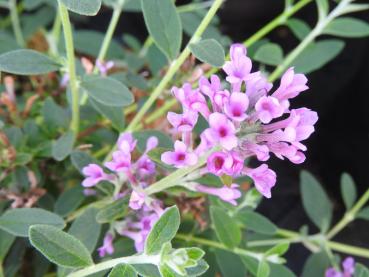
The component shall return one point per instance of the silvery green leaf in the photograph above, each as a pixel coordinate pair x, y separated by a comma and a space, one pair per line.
208, 51
63, 146
18, 221
348, 190
83, 7
123, 270
270, 54
347, 27
299, 28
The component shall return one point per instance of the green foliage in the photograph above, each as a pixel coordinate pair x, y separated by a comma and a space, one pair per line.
256, 222
113, 211
315, 201
59, 247
164, 25
225, 227
83, 7
114, 114
263, 269
270, 54
163, 231
363, 214
348, 190
123, 270
18, 221
318, 54
361, 270
27, 62
63, 146
230, 264
347, 27
208, 51
6, 241
142, 136
316, 265
69, 200
107, 91
298, 27
81, 159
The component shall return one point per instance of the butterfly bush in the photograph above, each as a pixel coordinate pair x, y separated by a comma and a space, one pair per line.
245, 119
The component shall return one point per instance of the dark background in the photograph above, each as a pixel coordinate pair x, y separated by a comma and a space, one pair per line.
338, 92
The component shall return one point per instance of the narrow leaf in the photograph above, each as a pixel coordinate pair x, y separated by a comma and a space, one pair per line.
208, 51
164, 25
107, 91
348, 190
63, 146
256, 222
315, 201
59, 247
263, 269
347, 27
83, 7
225, 227
27, 62
363, 214
318, 54
18, 221
163, 231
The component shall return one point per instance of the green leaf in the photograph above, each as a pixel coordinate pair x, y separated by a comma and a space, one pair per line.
298, 27
250, 263
147, 270
164, 25
225, 227
278, 270
63, 146
54, 115
83, 7
107, 91
361, 270
348, 190
197, 270
208, 51
363, 214
81, 159
18, 221
163, 231
350, 8
59, 247
230, 264
114, 114
315, 201
347, 27
155, 156
323, 8
69, 200
263, 269
6, 241
113, 211
123, 270
316, 265
318, 54
279, 249
270, 54
27, 62
166, 271
256, 222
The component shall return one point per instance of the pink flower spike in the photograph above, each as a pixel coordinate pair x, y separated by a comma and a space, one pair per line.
180, 157
94, 174
237, 106
256, 86
223, 131
219, 163
268, 108
183, 122
137, 200
264, 179
227, 194
239, 67
107, 247
126, 142
291, 86
121, 161
209, 88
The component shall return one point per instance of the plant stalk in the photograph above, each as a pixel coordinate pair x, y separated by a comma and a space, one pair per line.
69, 46
15, 23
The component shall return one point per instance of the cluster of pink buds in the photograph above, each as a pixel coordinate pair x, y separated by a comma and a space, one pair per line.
128, 177
348, 266
245, 119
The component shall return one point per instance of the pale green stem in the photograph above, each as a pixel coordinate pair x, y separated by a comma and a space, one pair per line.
69, 46
349, 216
15, 23
307, 40
174, 178
348, 249
117, 11
194, 6
218, 245
175, 65
139, 259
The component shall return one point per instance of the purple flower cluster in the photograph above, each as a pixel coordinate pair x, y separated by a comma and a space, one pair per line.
245, 120
348, 266
132, 177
